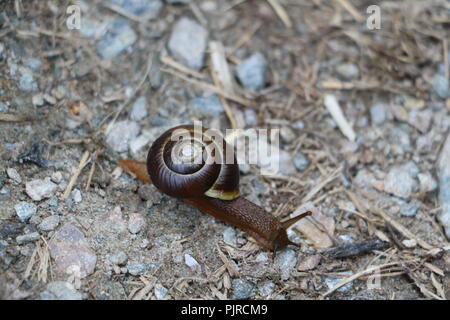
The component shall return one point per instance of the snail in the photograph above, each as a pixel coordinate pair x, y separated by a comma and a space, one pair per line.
194, 166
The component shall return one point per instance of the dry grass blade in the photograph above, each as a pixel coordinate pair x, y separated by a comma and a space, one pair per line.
9, 117
405, 232
74, 177
351, 9
335, 110
281, 12
207, 86
176, 65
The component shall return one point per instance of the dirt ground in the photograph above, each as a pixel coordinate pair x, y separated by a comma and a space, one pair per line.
61, 94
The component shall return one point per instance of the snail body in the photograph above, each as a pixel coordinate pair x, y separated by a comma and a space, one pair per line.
197, 168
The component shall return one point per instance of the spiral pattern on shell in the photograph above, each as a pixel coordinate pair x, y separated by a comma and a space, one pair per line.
186, 162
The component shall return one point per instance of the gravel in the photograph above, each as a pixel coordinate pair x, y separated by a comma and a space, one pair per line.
443, 167
29, 237
136, 223
119, 258
266, 288
441, 86
70, 249
301, 161
50, 223
14, 175
285, 261
242, 289
192, 263
400, 181
160, 292
25, 210
28, 82
40, 189
410, 210
121, 134
331, 282
145, 10
139, 109
229, 236
119, 37
136, 268
61, 290
252, 72
207, 105
378, 113
188, 43
348, 71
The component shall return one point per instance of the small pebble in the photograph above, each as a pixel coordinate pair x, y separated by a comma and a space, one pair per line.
252, 72
14, 175
266, 288
309, 263
207, 105
409, 243
348, 71
121, 134
136, 223
441, 86
378, 113
188, 42
285, 261
139, 109
38, 100
3, 107
29, 237
120, 258
40, 189
145, 10
287, 134
400, 182
410, 210
301, 161
427, 182
192, 263
229, 236
136, 269
57, 177
250, 117
50, 223
25, 210
242, 289
27, 82
119, 37
61, 290
76, 195
160, 292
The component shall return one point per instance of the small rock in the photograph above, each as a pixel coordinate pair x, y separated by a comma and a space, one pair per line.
262, 257
120, 36
331, 282
409, 243
136, 269
3, 107
139, 109
310, 263
121, 134
50, 99
145, 10
160, 292
285, 261
410, 210
242, 289
378, 113
266, 288
5, 193
301, 161
50, 223
250, 117
38, 100
29, 237
287, 134
136, 223
61, 290
252, 72
14, 175
420, 120
299, 125
192, 263
40, 189
208, 105
188, 42
27, 82
76, 195
120, 258
427, 182
441, 86
348, 71
57, 177
229, 236
70, 250
400, 182
25, 210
